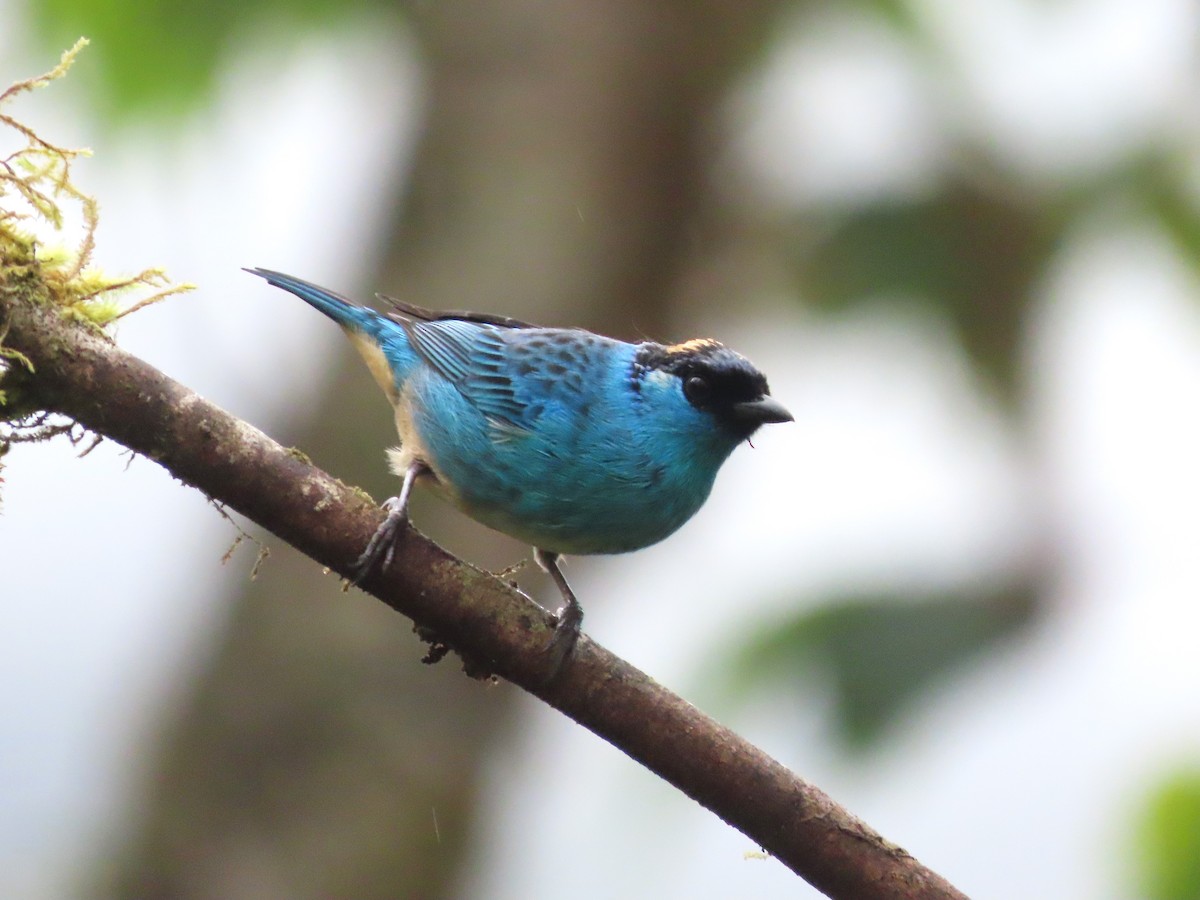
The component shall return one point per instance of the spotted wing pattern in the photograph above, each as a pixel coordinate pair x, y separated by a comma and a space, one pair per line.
510, 372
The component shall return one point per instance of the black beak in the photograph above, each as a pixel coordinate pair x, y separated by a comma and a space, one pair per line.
762, 411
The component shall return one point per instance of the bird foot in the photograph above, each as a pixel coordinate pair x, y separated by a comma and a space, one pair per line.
568, 619
566, 635
382, 546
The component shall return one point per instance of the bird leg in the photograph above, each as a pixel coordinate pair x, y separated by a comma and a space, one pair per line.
570, 617
383, 541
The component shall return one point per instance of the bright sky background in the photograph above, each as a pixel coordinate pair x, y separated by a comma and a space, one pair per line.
1016, 781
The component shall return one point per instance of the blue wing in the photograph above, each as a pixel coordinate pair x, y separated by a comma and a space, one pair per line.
474, 358
510, 371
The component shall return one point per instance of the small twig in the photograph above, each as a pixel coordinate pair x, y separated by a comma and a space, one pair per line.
242, 535
97, 440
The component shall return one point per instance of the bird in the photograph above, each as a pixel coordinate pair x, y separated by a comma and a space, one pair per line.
570, 441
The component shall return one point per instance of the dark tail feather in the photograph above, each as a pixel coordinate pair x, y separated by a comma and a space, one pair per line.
342, 310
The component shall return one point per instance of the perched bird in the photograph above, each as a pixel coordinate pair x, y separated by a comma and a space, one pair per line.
570, 441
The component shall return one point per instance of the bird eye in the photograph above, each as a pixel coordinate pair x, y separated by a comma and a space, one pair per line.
697, 390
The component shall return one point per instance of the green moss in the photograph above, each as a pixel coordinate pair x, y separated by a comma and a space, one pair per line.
298, 454
35, 189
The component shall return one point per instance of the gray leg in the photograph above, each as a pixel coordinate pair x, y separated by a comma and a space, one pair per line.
570, 617
383, 541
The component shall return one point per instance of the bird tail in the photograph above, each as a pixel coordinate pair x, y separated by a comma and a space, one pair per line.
345, 312
382, 343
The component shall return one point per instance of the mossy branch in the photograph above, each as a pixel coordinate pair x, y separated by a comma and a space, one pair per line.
35, 183
59, 361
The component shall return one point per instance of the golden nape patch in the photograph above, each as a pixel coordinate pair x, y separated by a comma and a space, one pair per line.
376, 362
693, 346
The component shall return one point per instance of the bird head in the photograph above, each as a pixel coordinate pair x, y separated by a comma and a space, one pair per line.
716, 381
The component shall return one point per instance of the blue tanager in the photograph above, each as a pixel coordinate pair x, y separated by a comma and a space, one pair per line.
570, 441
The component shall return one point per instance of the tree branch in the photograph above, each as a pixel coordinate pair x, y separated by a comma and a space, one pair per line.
82, 375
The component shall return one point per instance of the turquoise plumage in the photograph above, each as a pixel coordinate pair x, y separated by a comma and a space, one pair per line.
570, 441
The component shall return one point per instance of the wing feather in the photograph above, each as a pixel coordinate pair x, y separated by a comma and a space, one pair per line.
402, 310
507, 369
471, 356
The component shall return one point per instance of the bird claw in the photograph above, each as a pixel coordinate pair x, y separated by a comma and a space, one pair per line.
381, 549
566, 635
383, 541
568, 619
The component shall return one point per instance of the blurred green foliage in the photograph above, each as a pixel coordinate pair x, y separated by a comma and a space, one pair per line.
882, 652
161, 57
1162, 183
971, 252
1167, 840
